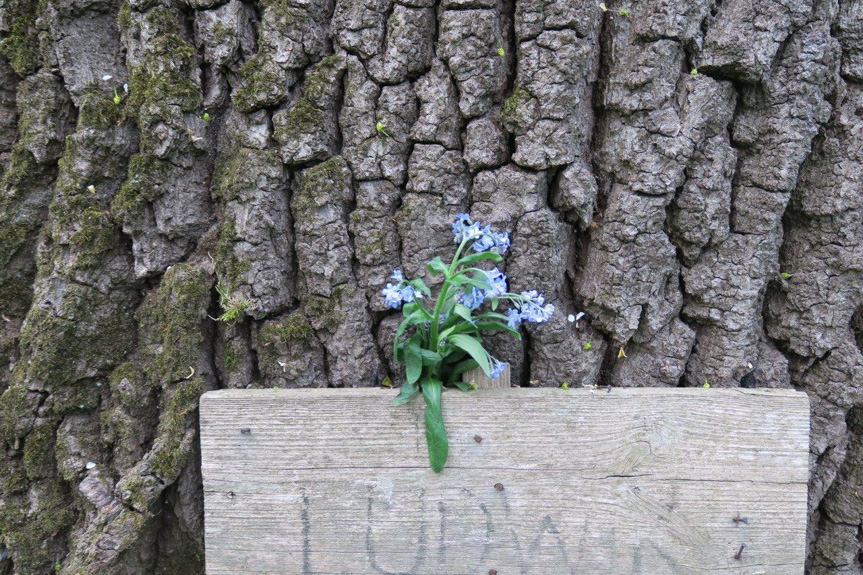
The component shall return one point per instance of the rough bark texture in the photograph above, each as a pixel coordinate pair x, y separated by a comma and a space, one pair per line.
687, 172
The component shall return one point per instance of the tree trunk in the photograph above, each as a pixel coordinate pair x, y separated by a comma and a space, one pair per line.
688, 173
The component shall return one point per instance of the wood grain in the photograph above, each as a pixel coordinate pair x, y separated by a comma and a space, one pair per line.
635, 481
483, 381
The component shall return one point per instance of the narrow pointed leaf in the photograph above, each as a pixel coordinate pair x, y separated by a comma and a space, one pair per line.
461, 368
438, 444
474, 349
497, 326
436, 266
406, 393
469, 259
413, 361
463, 312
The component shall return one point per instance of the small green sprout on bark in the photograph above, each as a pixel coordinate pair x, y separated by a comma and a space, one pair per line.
588, 346
786, 275
564, 385
380, 128
706, 385
206, 116
234, 305
693, 72
501, 52
117, 97
624, 12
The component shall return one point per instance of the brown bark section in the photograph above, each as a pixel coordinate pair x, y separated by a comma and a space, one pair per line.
687, 178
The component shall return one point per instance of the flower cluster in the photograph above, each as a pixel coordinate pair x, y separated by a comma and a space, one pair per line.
439, 345
474, 298
484, 237
400, 292
530, 307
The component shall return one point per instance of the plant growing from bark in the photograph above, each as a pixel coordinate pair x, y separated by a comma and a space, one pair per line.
234, 305
437, 346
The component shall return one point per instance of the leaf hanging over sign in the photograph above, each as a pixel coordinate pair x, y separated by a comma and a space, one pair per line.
438, 444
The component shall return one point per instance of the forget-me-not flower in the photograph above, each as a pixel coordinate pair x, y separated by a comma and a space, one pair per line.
497, 279
392, 295
513, 318
497, 367
474, 299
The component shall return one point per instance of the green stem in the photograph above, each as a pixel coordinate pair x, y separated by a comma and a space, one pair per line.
438, 306
455, 258
442, 296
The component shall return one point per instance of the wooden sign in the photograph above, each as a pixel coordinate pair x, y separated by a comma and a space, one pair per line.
539, 482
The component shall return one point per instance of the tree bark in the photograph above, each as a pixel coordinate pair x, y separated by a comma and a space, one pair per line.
688, 173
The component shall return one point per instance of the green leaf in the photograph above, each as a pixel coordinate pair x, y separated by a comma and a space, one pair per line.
476, 280
430, 357
474, 349
472, 258
436, 266
460, 328
406, 393
463, 386
448, 304
492, 315
497, 326
416, 309
413, 361
463, 312
418, 317
453, 356
438, 444
462, 367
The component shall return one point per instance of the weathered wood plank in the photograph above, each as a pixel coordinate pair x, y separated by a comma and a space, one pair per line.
642, 482
482, 381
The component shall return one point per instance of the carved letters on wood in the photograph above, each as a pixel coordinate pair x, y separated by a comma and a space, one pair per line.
539, 482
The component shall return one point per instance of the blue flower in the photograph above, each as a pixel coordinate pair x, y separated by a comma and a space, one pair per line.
409, 294
462, 221
486, 238
472, 232
396, 294
464, 228
497, 367
392, 295
473, 299
513, 318
497, 279
501, 242
533, 307
485, 241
